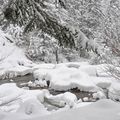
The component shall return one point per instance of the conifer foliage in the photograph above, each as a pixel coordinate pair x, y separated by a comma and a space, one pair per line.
33, 15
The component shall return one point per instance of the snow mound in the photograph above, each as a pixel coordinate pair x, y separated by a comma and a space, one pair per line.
79, 75
63, 77
68, 78
66, 98
102, 82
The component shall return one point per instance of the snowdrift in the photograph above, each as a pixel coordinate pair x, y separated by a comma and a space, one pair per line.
101, 110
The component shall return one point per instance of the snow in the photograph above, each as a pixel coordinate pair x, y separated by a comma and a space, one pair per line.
13, 61
101, 110
102, 82
66, 76
99, 95
81, 75
22, 103
70, 78
31, 107
85, 99
13, 99
114, 91
11, 95
69, 98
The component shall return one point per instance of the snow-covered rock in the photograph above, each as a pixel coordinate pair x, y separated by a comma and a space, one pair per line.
63, 77
68, 98
102, 82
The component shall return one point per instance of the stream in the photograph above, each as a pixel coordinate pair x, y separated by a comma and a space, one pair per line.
29, 77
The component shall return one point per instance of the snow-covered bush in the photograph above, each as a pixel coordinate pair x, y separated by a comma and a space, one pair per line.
102, 57
16, 32
70, 55
41, 47
110, 35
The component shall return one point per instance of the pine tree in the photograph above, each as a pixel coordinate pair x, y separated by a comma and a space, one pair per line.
33, 14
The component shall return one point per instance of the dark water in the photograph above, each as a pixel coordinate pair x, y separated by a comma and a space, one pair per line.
78, 93
18, 80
